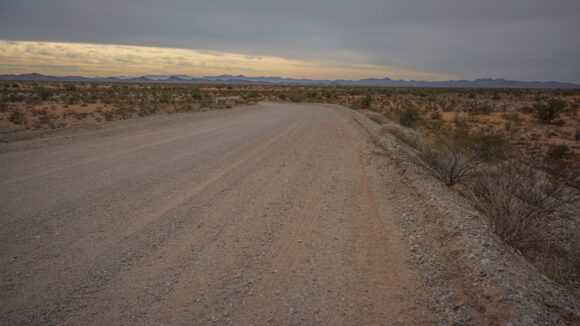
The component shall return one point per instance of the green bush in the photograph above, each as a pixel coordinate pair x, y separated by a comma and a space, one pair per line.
252, 95
365, 102
43, 93
297, 95
409, 115
196, 93
312, 94
550, 111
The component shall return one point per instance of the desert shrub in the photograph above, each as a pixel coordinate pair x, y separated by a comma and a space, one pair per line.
196, 93
15, 97
70, 87
109, 115
561, 162
164, 98
312, 94
454, 156
144, 110
409, 115
365, 102
520, 202
328, 94
297, 95
550, 111
530, 209
43, 93
17, 116
252, 94
283, 96
354, 91
480, 109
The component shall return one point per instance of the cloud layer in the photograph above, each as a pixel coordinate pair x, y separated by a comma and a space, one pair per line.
528, 40
59, 58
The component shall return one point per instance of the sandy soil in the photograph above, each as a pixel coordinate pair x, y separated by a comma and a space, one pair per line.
269, 214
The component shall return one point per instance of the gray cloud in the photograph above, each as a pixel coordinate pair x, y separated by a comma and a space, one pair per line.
519, 39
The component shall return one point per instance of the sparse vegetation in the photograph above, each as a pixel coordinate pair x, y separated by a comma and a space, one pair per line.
524, 180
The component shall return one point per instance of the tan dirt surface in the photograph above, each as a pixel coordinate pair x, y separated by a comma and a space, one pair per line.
271, 214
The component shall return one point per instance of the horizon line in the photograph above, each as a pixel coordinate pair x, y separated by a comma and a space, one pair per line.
148, 76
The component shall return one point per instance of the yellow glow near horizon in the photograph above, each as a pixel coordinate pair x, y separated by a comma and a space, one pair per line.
59, 58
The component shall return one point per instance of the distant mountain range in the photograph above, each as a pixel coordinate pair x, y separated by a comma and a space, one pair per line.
241, 79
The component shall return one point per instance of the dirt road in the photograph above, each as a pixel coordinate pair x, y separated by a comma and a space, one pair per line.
262, 215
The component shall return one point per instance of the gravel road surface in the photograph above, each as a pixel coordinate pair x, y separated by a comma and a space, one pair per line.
263, 215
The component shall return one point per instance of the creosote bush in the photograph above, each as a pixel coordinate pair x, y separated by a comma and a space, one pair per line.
409, 115
297, 95
550, 111
196, 93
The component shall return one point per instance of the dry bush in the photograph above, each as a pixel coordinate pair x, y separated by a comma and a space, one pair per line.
530, 210
455, 155
518, 200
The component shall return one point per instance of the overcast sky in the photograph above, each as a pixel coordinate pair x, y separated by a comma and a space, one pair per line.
525, 39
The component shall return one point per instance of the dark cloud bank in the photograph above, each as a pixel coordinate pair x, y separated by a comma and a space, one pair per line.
526, 40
